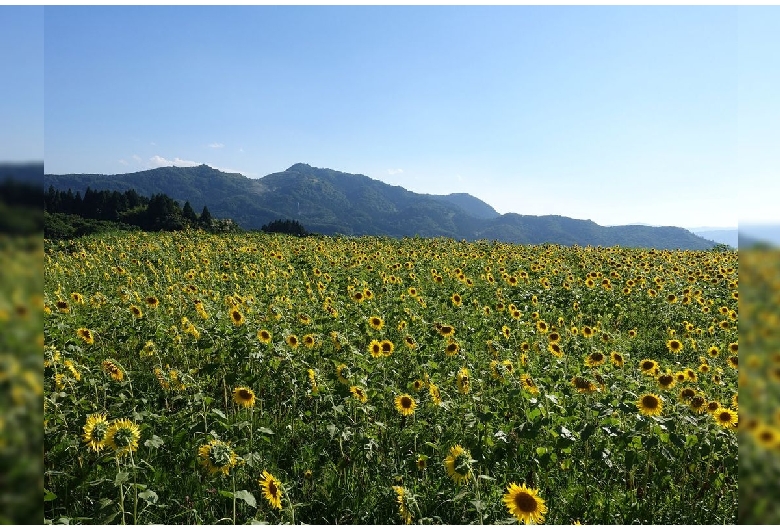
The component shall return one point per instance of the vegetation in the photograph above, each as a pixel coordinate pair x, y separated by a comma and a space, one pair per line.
287, 226
68, 215
210, 378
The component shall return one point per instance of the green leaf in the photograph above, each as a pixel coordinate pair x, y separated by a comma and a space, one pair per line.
149, 496
121, 478
485, 477
155, 441
247, 497
265, 430
48, 496
219, 413
533, 414
228, 494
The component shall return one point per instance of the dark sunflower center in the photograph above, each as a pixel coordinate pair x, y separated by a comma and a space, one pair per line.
386, 347
712, 406
525, 502
666, 380
726, 417
597, 357
697, 402
245, 394
647, 365
650, 402
406, 402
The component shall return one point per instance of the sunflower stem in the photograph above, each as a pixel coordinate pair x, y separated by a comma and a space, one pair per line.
135, 489
121, 492
234, 499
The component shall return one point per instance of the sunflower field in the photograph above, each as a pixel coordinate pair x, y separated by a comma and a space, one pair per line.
194, 378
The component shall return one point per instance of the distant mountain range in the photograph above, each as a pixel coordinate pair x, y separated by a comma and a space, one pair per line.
332, 202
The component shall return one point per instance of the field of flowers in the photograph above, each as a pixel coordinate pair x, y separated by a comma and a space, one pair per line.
195, 379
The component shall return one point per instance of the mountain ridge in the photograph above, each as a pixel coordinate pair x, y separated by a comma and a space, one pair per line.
327, 201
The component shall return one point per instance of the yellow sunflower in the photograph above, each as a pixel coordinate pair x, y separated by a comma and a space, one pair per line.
272, 489
616, 359
136, 311
375, 348
217, 457
264, 336
405, 404
582, 385
292, 341
111, 368
674, 345
666, 381
342, 374
387, 347
236, 317
595, 359
433, 391
458, 465
650, 405
122, 436
555, 349
244, 397
525, 504
403, 507
452, 348
95, 431
463, 381
648, 366
358, 393
726, 418
85, 335
376, 322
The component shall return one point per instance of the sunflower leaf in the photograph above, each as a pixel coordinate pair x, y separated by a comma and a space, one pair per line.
149, 496
247, 497
121, 478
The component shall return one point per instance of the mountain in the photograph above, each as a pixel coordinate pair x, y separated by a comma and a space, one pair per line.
330, 202
22, 172
727, 236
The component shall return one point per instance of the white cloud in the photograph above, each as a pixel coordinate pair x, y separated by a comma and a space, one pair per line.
217, 145
394, 171
158, 161
137, 158
123, 162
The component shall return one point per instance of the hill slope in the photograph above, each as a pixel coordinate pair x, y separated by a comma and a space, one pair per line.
330, 202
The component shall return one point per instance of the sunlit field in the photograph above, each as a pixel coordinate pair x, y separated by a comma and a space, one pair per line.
197, 379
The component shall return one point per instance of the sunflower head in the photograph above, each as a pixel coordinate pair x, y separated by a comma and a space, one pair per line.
358, 393
95, 431
272, 489
122, 436
244, 397
405, 404
525, 504
264, 336
650, 405
458, 464
217, 457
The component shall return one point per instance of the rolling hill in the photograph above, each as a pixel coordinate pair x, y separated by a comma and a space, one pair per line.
332, 202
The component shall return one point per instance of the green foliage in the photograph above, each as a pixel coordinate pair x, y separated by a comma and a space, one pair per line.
288, 226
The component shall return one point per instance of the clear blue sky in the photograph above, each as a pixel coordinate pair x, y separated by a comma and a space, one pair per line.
656, 115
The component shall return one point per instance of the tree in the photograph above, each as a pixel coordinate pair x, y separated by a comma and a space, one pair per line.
205, 218
189, 214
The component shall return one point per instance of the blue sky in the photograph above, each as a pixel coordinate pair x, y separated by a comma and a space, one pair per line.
656, 115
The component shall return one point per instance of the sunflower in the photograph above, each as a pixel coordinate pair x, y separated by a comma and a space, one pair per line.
376, 322
264, 336
674, 345
595, 359
387, 347
697, 403
152, 301
525, 504
421, 462
405, 404
458, 465
217, 456
666, 381
463, 381
713, 351
95, 431
582, 385
110, 368
555, 349
292, 341
309, 341
554, 337
713, 406
528, 384
85, 335
734, 348
136, 311
244, 396
410, 342
726, 418
63, 306
733, 361
631, 333
650, 405
403, 507
272, 489
616, 359
433, 390
418, 385
587, 331
342, 373
375, 348
690, 374
541, 326
456, 300
452, 348
236, 317
687, 393
735, 401
122, 436
358, 393
648, 366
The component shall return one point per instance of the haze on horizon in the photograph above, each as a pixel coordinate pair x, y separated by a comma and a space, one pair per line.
658, 115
